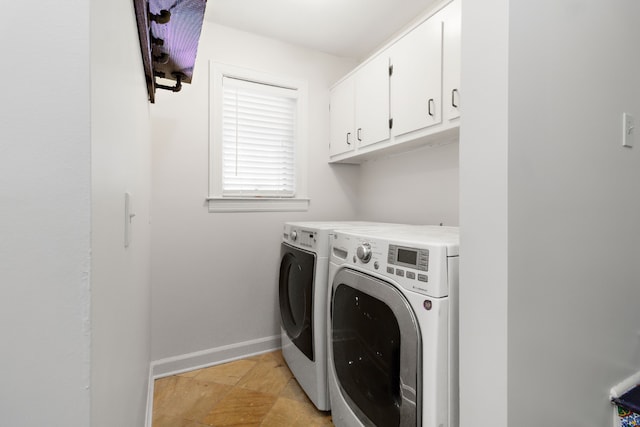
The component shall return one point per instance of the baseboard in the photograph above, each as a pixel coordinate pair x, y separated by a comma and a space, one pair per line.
149, 415
213, 356
203, 359
620, 389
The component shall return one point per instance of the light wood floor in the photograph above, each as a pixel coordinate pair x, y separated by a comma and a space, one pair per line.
258, 391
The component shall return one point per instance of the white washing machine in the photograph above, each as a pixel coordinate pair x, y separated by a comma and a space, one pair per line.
392, 327
304, 265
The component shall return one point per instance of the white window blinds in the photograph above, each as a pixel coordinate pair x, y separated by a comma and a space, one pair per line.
258, 139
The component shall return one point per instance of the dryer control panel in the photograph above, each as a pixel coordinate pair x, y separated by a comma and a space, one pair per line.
300, 237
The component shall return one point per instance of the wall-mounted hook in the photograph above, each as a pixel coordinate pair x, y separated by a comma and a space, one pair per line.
162, 18
179, 77
163, 58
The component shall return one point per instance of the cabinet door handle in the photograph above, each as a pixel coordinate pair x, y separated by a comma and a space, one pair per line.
358, 134
432, 103
348, 133
454, 92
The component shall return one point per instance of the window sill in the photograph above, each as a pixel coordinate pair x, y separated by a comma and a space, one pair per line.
257, 204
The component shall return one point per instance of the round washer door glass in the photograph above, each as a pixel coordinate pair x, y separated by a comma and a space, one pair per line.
297, 269
375, 348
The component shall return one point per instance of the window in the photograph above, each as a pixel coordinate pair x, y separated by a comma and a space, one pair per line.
257, 142
258, 139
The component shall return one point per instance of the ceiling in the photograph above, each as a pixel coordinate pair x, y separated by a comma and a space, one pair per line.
347, 28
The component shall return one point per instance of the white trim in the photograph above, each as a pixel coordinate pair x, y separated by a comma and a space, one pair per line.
257, 204
620, 389
150, 389
213, 356
625, 385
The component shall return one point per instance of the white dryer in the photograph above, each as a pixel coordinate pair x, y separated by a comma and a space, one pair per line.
393, 327
304, 265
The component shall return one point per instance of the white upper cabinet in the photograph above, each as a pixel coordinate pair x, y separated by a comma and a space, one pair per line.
451, 60
416, 82
405, 96
372, 101
360, 107
342, 118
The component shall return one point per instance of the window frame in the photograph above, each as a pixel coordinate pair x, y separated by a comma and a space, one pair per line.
217, 202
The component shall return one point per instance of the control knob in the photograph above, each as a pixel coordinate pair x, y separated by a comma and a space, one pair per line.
294, 235
364, 252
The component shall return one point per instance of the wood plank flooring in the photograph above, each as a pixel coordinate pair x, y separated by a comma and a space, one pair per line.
257, 391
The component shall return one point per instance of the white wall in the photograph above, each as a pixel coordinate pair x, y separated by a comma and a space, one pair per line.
484, 214
120, 161
541, 143
573, 209
417, 187
45, 214
74, 314
215, 274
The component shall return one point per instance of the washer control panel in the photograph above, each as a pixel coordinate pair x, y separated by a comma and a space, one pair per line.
410, 266
408, 257
363, 252
416, 266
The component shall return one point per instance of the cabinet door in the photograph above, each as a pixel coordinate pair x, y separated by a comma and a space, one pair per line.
416, 82
372, 101
451, 60
342, 119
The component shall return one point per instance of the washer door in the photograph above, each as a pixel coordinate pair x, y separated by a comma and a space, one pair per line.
297, 268
375, 344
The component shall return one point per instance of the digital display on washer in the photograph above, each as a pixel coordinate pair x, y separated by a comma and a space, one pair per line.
408, 257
